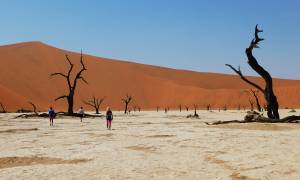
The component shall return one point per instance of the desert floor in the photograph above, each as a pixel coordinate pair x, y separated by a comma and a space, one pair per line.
149, 145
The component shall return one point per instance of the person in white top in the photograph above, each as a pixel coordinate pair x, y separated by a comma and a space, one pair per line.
81, 113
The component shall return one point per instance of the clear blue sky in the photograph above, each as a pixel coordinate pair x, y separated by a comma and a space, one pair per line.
185, 34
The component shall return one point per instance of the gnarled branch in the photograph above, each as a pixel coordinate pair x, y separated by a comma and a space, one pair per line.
61, 97
239, 72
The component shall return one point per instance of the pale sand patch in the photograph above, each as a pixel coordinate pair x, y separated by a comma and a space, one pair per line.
9, 162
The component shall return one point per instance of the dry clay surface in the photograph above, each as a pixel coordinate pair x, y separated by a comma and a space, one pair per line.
148, 145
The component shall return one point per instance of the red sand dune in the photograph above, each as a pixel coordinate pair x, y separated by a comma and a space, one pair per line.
25, 70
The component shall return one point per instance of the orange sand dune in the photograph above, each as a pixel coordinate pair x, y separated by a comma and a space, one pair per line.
25, 70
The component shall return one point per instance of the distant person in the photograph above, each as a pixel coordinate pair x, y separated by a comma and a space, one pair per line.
52, 115
109, 118
81, 113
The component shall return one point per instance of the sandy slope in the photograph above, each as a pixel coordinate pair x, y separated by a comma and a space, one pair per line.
148, 145
25, 70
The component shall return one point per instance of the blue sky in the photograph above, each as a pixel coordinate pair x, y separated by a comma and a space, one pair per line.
199, 35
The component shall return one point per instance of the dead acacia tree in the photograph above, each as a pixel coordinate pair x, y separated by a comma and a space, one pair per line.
208, 107
34, 107
3, 108
71, 83
251, 103
126, 100
187, 108
180, 106
255, 94
271, 99
95, 103
195, 110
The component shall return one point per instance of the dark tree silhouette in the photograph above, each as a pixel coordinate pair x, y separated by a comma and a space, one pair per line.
180, 106
95, 103
195, 110
71, 84
3, 108
208, 107
271, 99
187, 108
126, 100
34, 107
255, 94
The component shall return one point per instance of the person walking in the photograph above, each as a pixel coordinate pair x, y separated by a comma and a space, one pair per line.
52, 115
81, 113
109, 118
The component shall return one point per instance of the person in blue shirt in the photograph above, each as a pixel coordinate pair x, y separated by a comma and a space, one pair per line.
52, 115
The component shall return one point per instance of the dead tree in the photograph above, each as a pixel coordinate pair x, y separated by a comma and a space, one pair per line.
251, 103
34, 107
271, 99
195, 110
3, 108
157, 108
126, 100
187, 108
208, 107
95, 103
255, 95
180, 107
71, 84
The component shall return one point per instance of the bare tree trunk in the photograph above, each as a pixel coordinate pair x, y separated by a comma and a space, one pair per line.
71, 103
195, 110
